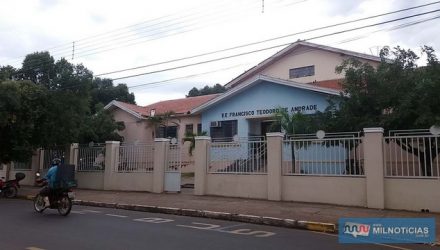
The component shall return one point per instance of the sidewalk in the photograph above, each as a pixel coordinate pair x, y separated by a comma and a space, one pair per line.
283, 210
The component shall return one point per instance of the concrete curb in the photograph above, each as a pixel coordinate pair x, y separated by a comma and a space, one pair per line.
262, 220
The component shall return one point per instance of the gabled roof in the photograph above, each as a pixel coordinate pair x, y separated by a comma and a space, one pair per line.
178, 106
260, 78
287, 50
132, 109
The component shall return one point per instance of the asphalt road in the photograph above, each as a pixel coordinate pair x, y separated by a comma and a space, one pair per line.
102, 228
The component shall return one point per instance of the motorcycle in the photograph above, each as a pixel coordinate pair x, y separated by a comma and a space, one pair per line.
59, 198
9, 189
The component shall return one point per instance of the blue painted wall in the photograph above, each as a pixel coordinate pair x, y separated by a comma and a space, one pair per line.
259, 98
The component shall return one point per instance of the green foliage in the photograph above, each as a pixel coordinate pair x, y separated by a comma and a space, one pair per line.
7, 72
22, 108
58, 103
296, 123
396, 95
100, 127
191, 137
206, 90
103, 91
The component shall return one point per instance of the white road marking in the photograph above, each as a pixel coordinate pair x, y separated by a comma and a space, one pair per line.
218, 228
117, 215
203, 226
34, 248
154, 220
91, 211
76, 212
380, 244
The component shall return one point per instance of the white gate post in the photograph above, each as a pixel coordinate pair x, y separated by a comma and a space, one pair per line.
274, 162
160, 162
201, 159
111, 161
373, 154
73, 155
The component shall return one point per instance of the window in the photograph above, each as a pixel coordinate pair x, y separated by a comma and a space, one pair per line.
166, 132
224, 130
189, 129
199, 128
26, 165
302, 72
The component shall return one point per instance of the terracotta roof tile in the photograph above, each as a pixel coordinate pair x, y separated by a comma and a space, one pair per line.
179, 106
133, 107
330, 84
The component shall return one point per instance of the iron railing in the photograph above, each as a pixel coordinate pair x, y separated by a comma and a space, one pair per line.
411, 154
135, 158
334, 156
243, 156
90, 158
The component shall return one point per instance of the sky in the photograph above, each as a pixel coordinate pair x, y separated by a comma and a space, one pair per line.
108, 36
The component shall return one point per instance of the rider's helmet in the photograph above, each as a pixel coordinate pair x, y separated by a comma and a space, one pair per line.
56, 161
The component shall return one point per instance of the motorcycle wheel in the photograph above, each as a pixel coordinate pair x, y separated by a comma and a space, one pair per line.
64, 206
39, 204
10, 192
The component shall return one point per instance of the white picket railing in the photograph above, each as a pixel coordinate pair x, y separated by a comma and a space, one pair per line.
90, 158
411, 154
244, 156
333, 156
135, 158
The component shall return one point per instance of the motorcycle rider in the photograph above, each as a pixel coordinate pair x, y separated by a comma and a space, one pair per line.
51, 178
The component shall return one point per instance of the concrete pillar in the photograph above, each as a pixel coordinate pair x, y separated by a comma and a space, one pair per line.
73, 155
35, 164
274, 162
161, 146
41, 161
374, 167
201, 161
111, 161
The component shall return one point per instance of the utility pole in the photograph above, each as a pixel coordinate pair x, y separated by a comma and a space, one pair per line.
262, 6
73, 50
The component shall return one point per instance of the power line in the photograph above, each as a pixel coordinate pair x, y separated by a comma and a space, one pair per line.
319, 28
262, 41
271, 47
400, 26
108, 36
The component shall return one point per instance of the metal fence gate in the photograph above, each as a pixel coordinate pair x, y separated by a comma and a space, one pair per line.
172, 181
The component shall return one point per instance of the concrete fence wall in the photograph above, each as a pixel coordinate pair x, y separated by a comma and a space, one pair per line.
109, 178
370, 189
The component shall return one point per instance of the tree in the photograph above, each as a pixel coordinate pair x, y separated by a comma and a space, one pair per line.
100, 127
7, 72
396, 95
39, 67
22, 107
103, 91
206, 90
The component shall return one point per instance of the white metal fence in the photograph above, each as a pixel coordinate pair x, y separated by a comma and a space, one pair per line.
411, 154
243, 156
135, 158
174, 158
90, 158
335, 155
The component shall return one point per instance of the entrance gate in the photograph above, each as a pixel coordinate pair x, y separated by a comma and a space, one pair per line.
173, 169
